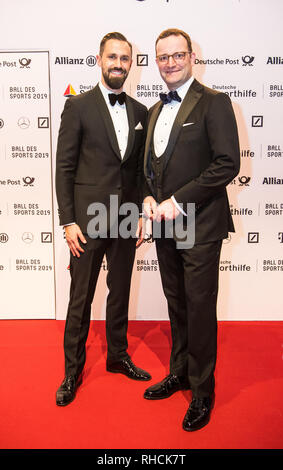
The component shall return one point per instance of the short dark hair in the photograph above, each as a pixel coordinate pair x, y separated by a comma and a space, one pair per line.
175, 32
114, 35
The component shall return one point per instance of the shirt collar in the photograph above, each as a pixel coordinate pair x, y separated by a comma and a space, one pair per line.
183, 89
105, 91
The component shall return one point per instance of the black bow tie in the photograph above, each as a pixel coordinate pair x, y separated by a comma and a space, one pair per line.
168, 97
113, 98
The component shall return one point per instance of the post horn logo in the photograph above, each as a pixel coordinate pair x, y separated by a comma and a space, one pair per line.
28, 181
247, 59
25, 63
244, 180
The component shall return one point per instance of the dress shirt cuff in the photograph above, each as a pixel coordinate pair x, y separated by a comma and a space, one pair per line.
178, 206
71, 223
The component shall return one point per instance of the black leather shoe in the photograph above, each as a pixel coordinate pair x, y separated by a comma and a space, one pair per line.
128, 368
166, 388
67, 391
198, 414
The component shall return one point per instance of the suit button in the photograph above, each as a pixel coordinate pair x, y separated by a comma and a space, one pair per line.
118, 187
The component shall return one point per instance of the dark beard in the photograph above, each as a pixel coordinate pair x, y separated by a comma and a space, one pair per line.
115, 83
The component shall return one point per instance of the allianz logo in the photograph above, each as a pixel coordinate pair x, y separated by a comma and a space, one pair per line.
65, 60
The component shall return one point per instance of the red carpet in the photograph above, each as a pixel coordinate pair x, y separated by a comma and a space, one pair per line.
109, 411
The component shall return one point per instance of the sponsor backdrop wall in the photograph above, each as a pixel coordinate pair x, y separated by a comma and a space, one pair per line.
48, 53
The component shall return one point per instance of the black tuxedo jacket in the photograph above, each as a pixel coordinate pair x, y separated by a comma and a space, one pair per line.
201, 158
89, 167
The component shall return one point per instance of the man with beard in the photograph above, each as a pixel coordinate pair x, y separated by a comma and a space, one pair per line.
99, 154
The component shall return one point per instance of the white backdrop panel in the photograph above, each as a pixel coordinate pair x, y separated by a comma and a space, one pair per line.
238, 44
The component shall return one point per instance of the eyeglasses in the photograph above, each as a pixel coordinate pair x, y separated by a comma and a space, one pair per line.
177, 57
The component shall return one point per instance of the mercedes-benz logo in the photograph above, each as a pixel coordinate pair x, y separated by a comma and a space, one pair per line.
23, 122
27, 237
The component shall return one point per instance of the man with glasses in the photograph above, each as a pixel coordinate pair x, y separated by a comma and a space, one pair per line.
99, 156
191, 155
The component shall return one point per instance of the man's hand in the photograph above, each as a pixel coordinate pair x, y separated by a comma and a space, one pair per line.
73, 235
144, 231
150, 207
167, 211
140, 232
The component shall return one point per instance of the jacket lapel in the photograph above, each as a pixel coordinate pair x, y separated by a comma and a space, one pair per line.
147, 153
189, 102
131, 135
107, 120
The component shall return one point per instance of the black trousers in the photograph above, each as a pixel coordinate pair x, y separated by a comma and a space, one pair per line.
120, 254
190, 283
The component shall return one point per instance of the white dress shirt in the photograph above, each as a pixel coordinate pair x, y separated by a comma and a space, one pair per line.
119, 116
164, 125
